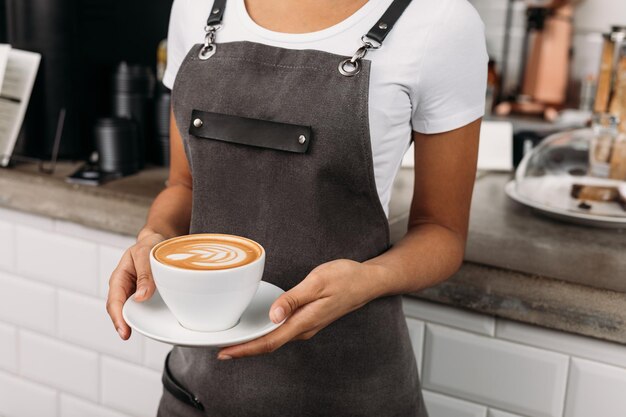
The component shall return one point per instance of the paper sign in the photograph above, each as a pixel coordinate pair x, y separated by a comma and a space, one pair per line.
17, 86
495, 151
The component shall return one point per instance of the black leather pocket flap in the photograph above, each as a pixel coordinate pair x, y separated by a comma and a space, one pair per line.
253, 132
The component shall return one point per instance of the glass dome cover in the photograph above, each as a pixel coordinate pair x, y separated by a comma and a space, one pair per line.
562, 175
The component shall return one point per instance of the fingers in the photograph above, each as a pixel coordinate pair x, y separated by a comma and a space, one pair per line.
292, 329
121, 285
141, 261
308, 290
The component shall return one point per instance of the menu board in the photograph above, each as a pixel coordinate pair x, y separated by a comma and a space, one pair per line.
18, 70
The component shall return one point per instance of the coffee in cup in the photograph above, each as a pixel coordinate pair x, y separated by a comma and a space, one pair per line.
207, 280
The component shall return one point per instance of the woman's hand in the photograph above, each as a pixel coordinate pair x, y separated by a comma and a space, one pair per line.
329, 292
132, 274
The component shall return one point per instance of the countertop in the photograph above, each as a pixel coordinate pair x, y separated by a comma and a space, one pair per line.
518, 265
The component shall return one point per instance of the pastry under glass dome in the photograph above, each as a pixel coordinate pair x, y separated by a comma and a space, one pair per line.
562, 177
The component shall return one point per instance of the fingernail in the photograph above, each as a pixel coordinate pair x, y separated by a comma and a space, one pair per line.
140, 293
278, 314
120, 332
223, 357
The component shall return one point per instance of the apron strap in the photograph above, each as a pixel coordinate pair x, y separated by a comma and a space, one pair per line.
379, 31
217, 13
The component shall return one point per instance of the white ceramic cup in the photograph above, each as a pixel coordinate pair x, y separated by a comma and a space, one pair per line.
208, 300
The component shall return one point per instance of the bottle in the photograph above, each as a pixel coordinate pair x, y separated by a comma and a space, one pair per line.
605, 76
618, 154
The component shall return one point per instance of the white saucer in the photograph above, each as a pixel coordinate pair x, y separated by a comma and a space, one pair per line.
557, 204
153, 319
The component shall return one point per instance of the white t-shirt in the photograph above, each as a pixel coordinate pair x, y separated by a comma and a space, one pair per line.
429, 76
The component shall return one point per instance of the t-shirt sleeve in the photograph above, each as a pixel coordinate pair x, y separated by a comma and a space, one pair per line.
452, 81
176, 45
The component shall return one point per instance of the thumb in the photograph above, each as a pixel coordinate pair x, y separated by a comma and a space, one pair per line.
285, 305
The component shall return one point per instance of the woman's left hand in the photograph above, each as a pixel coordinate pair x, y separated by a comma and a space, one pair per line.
329, 292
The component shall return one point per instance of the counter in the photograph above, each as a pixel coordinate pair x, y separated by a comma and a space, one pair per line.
518, 265
530, 325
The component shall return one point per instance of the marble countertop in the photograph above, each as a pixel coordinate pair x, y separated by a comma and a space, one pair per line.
518, 265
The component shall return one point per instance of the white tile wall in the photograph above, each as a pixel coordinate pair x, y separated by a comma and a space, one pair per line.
498, 413
75, 407
109, 258
505, 375
83, 320
59, 260
27, 219
60, 357
155, 353
59, 364
575, 345
416, 333
93, 235
439, 405
27, 303
8, 347
21, 398
7, 246
595, 390
453, 317
130, 388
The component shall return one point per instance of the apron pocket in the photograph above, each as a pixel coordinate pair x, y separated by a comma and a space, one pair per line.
252, 132
177, 390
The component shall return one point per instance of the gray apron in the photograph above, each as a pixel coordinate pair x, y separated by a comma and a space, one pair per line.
279, 150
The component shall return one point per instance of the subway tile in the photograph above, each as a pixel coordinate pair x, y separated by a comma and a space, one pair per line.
58, 364
155, 353
497, 373
93, 235
7, 246
449, 316
26, 219
499, 413
595, 389
75, 407
416, 333
571, 344
439, 405
27, 303
60, 260
109, 257
21, 398
83, 320
130, 388
8, 347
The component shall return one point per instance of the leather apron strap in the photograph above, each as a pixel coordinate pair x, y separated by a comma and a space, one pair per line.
378, 32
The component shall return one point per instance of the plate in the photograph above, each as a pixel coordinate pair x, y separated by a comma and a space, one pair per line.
153, 319
565, 214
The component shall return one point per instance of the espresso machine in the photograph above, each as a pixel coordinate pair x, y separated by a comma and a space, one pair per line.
543, 81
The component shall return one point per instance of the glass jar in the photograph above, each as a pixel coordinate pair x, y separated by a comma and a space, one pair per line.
604, 127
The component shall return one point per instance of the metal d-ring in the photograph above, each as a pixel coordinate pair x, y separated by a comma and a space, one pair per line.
370, 43
352, 66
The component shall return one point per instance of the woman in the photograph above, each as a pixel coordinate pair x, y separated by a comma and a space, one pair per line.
367, 78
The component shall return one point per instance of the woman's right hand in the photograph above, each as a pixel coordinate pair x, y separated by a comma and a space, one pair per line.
132, 274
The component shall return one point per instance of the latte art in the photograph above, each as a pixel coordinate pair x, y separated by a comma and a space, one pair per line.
207, 251
209, 254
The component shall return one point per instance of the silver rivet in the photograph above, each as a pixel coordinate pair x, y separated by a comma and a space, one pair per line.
216, 11
301, 139
197, 123
382, 25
